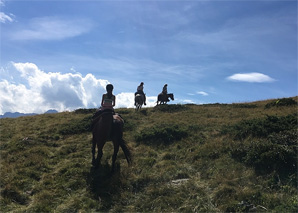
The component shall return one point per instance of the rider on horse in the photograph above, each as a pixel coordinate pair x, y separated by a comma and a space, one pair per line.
108, 101
140, 91
165, 91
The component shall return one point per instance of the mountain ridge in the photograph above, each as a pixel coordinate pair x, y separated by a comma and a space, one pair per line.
19, 114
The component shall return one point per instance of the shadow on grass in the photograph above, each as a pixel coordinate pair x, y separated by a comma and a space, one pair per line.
104, 185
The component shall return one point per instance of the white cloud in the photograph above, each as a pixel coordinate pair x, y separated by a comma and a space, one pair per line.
251, 77
202, 93
4, 17
41, 91
17, 98
53, 28
126, 100
187, 101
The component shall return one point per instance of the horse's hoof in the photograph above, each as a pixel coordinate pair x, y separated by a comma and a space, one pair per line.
95, 164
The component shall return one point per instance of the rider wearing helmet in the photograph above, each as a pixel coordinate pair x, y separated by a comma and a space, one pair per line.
140, 91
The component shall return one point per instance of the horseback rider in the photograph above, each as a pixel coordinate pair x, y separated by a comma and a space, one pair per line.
165, 91
140, 91
108, 101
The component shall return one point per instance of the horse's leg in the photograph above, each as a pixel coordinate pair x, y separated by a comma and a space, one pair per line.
99, 152
93, 152
116, 149
168, 98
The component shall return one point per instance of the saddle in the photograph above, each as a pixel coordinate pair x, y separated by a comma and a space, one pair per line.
97, 115
117, 117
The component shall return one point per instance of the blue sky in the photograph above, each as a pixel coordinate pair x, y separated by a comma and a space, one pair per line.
61, 54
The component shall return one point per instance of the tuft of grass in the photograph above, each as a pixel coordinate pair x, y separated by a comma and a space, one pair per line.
161, 134
170, 108
84, 111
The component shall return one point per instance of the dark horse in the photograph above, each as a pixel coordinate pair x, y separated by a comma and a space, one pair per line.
108, 127
139, 101
164, 98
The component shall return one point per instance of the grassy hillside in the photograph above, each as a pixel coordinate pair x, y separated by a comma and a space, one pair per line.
187, 158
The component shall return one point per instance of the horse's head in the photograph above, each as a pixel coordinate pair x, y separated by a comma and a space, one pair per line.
171, 96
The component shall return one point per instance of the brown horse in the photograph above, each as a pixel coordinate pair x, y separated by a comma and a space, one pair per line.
108, 127
164, 98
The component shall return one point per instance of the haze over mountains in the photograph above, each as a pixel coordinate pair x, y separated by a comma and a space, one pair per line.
19, 114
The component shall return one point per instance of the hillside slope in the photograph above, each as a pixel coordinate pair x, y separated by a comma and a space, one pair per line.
187, 158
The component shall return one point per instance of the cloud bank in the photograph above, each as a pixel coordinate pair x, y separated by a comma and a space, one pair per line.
41, 91
251, 77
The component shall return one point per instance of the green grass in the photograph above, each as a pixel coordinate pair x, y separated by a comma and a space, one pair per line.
186, 158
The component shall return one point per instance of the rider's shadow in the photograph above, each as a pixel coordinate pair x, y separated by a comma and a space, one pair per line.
103, 184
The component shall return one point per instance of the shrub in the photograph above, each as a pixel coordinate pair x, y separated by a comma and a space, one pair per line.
281, 102
13, 194
262, 127
277, 153
248, 106
84, 111
170, 108
76, 126
161, 134
129, 125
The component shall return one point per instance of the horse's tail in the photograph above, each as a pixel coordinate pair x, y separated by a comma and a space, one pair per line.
126, 151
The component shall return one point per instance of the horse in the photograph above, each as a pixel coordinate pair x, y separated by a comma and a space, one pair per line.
164, 98
108, 127
139, 101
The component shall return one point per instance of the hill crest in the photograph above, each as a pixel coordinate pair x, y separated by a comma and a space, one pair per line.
216, 157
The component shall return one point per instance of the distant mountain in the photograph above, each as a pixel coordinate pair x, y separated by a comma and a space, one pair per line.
51, 111
19, 114
15, 114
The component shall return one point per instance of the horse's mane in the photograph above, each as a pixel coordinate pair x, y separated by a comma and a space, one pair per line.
98, 117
